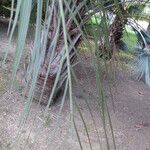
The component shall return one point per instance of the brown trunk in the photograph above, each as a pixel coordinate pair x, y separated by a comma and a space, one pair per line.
115, 34
75, 37
117, 28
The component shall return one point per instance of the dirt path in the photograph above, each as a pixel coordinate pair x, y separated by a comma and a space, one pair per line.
131, 119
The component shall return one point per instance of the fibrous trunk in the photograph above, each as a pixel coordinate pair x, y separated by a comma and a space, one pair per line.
115, 33
55, 52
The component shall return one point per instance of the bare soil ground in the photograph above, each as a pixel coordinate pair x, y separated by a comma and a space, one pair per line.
131, 118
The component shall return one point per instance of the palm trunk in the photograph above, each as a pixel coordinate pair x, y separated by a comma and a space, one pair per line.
115, 34
117, 28
75, 37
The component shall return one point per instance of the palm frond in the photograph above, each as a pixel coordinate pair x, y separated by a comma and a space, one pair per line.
59, 30
143, 52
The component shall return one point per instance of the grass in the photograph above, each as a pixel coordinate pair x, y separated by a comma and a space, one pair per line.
129, 37
95, 20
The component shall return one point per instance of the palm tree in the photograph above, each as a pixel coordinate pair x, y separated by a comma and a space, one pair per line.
53, 49
55, 45
117, 27
74, 25
52, 44
122, 13
75, 16
59, 31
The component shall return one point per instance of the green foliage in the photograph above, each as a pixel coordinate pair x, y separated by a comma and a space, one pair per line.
95, 20
3, 6
6, 3
130, 38
136, 9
